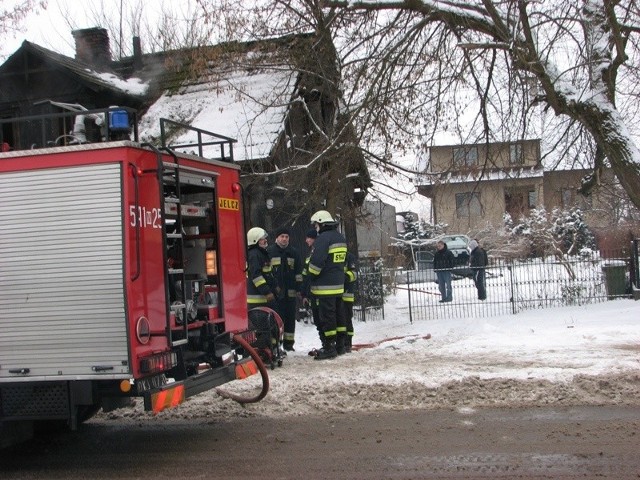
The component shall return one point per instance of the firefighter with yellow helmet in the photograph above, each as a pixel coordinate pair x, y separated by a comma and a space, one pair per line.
326, 274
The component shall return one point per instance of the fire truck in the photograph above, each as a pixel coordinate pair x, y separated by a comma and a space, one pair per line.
122, 268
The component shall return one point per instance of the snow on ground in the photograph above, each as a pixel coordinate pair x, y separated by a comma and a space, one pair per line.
587, 355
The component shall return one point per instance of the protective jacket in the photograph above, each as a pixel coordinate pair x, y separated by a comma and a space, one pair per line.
350, 278
260, 280
326, 265
286, 266
306, 280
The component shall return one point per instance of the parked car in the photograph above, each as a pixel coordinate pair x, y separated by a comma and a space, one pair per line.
458, 244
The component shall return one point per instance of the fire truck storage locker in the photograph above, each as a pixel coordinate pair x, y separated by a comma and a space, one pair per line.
62, 293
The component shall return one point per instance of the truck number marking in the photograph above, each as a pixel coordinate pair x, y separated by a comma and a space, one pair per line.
145, 218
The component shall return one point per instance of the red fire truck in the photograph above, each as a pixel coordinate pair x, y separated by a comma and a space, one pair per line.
122, 270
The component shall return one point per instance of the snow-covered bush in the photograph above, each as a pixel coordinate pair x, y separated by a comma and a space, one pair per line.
559, 233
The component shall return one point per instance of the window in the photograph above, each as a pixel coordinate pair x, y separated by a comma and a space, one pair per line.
516, 156
566, 197
465, 157
533, 199
468, 205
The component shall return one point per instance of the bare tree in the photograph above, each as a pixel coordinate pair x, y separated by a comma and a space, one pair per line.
315, 158
162, 25
499, 60
11, 18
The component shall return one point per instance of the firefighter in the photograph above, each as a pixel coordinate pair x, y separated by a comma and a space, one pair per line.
348, 298
261, 285
307, 298
286, 265
326, 271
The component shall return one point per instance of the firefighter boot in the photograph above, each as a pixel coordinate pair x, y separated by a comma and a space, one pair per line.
327, 351
340, 343
314, 351
347, 344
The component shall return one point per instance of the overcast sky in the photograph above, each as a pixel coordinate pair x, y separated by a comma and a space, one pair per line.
51, 28
47, 28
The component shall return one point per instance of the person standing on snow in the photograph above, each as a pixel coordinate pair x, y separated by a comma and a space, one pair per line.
261, 285
286, 265
478, 262
326, 271
442, 265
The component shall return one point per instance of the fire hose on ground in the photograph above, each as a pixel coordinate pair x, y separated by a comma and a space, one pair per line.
255, 356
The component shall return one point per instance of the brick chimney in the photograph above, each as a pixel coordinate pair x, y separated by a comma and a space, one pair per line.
92, 47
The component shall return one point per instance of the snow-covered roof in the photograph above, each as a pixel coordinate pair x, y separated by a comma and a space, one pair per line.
111, 81
246, 103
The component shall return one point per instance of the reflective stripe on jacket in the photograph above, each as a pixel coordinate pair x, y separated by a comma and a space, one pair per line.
326, 265
350, 278
286, 265
260, 281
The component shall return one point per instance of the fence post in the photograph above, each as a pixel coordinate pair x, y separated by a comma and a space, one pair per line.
409, 294
635, 264
512, 287
382, 292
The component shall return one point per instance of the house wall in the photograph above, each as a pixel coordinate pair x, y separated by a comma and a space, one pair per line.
491, 156
603, 208
375, 229
492, 202
472, 186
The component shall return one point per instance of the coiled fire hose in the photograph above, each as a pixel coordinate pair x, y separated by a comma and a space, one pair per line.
263, 373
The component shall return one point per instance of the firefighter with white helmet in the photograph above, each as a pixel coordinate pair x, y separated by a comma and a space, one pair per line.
326, 273
261, 286
256, 234
322, 217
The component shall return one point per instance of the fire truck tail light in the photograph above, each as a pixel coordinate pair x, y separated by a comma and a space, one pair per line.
160, 362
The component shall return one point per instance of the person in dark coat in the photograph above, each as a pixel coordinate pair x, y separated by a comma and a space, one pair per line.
478, 262
442, 265
286, 266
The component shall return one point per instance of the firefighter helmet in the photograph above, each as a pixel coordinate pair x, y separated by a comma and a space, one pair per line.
322, 217
256, 234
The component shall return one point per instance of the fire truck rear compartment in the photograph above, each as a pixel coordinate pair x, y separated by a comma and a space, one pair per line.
61, 274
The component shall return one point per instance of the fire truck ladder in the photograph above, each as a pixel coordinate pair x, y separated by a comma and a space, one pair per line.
176, 276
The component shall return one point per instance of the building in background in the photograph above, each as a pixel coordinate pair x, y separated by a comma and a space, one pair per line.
473, 187
377, 228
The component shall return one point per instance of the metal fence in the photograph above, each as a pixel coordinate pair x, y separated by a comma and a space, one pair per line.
512, 286
372, 287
